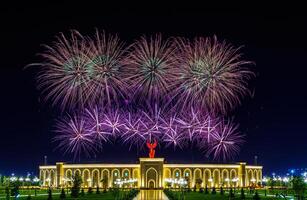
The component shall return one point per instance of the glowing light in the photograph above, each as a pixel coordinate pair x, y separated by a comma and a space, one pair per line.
36, 179
180, 181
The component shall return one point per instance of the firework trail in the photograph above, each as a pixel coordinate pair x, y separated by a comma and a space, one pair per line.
212, 75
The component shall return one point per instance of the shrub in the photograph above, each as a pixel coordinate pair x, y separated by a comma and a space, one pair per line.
77, 181
206, 190
213, 191
29, 197
201, 190
63, 194
97, 190
90, 190
82, 192
231, 194
222, 190
256, 196
49, 194
242, 196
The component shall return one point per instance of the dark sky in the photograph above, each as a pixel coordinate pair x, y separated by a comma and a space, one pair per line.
273, 120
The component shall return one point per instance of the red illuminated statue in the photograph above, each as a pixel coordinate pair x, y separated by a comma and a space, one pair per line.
151, 147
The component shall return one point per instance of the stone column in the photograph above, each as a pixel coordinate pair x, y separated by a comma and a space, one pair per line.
241, 174
59, 174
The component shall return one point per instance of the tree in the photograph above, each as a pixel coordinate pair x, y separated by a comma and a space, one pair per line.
49, 194
256, 196
7, 192
77, 181
271, 182
82, 192
213, 191
63, 194
97, 190
90, 190
298, 186
221, 191
242, 196
231, 194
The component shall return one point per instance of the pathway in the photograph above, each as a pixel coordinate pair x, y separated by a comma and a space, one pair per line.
151, 195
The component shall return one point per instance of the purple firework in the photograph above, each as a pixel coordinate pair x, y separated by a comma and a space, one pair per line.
170, 91
212, 75
78, 71
74, 137
64, 78
105, 67
226, 141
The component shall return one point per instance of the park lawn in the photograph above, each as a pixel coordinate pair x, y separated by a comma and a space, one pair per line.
197, 196
104, 196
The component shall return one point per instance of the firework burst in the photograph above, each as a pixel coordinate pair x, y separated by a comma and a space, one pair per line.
212, 75
226, 141
64, 78
107, 85
168, 91
151, 68
74, 137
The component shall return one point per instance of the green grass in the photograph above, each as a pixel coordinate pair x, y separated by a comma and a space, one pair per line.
218, 196
42, 195
104, 196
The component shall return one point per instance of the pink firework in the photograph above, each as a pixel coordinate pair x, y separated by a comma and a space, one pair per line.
65, 77
74, 137
212, 75
105, 68
152, 68
225, 142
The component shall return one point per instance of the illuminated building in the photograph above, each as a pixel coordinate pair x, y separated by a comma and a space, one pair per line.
152, 173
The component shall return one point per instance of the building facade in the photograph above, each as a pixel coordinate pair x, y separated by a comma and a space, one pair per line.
152, 173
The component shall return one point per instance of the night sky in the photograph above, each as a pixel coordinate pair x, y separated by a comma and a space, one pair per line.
273, 120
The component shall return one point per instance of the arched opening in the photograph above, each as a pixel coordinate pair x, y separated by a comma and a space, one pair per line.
77, 172
207, 178
95, 178
115, 175
43, 177
197, 178
68, 178
52, 178
216, 178
151, 175
126, 174
86, 178
234, 178
105, 177
187, 174
225, 178
250, 178
177, 173
151, 184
